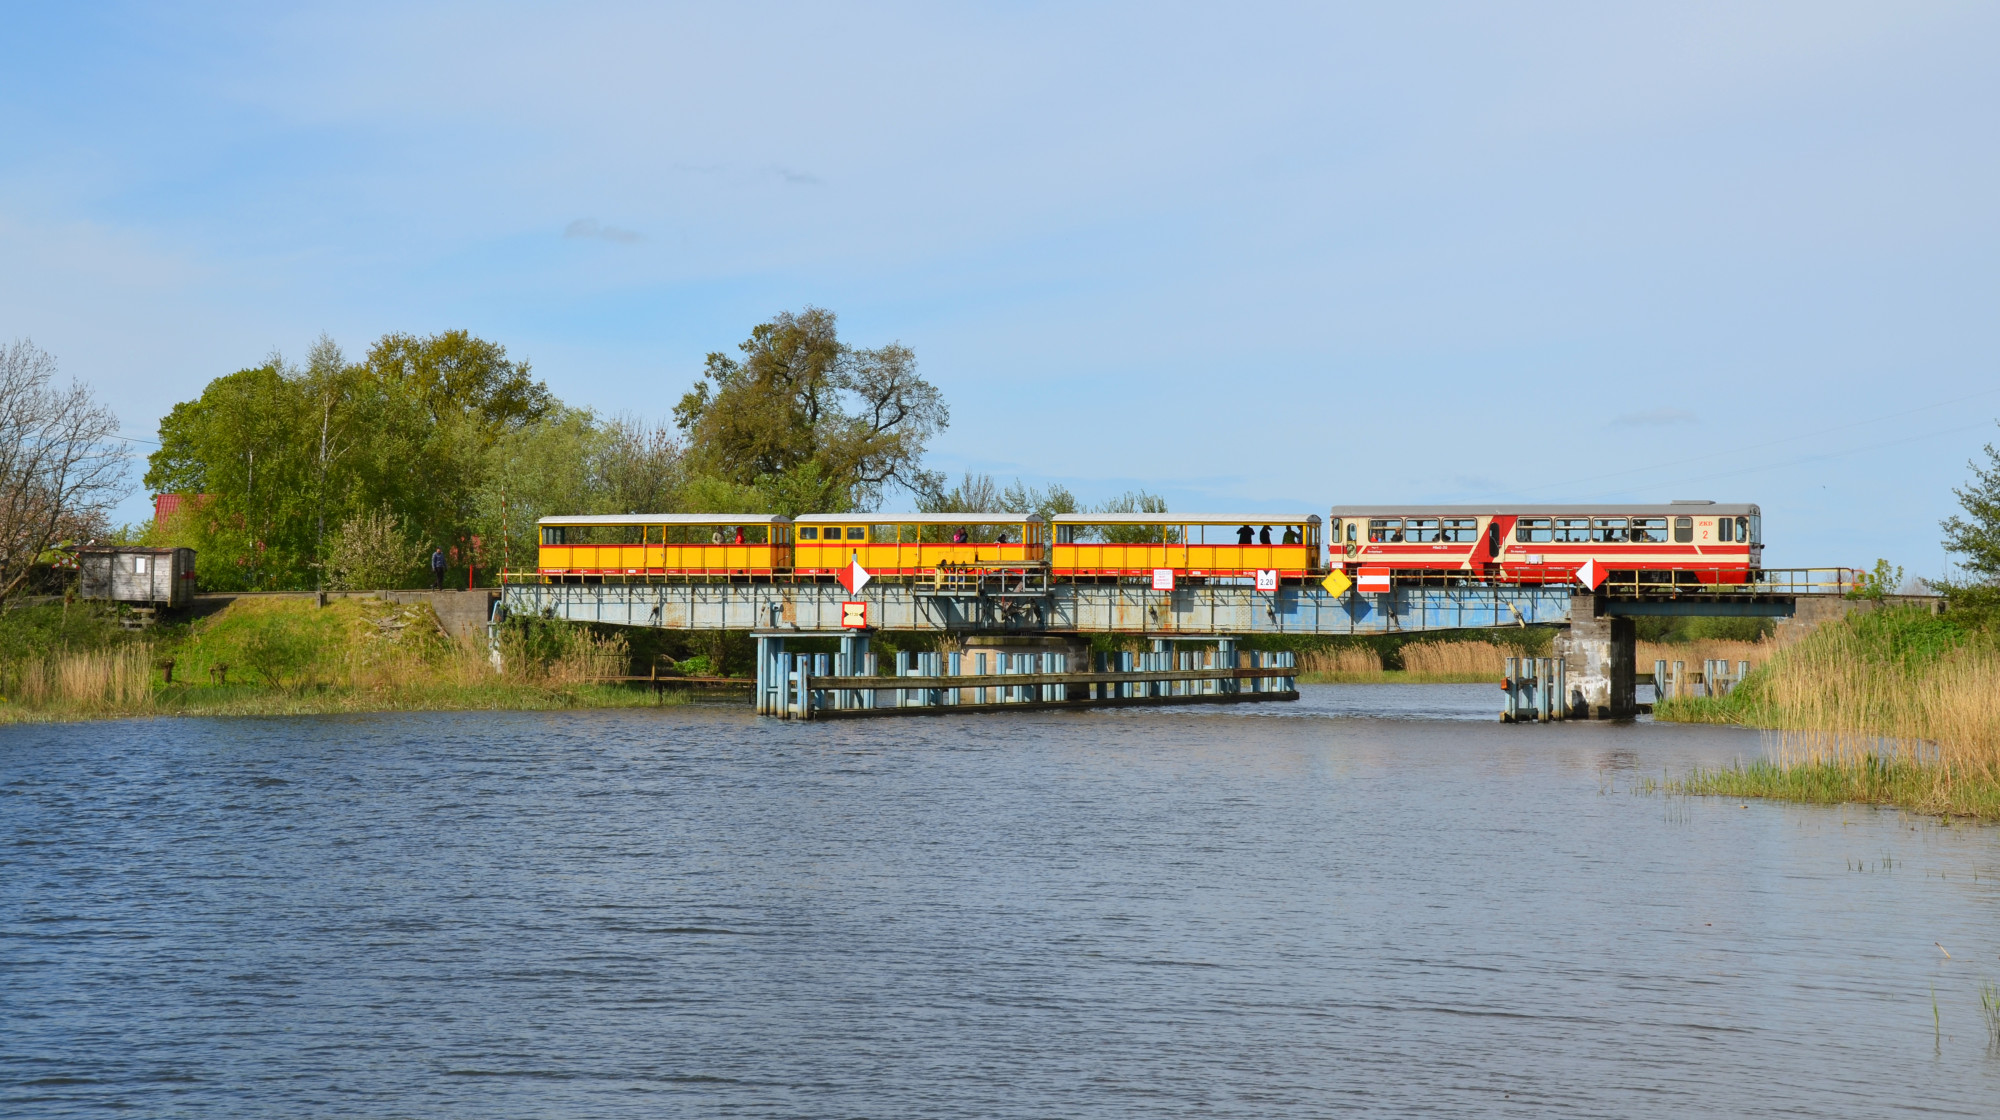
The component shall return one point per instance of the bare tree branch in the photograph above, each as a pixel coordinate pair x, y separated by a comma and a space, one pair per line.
60, 473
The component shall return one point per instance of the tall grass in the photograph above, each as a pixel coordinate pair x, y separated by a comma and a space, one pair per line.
1694, 653
1894, 707
92, 681
1430, 662
292, 657
1469, 662
1341, 664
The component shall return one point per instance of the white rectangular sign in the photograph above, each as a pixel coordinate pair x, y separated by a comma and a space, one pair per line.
1163, 579
1267, 579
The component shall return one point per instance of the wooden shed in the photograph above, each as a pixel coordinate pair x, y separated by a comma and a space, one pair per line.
157, 576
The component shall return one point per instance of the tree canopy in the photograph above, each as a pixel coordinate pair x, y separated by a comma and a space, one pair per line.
808, 421
1975, 537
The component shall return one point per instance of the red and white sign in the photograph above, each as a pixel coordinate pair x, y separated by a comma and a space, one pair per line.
854, 616
1588, 575
1267, 579
1374, 581
854, 577
1163, 579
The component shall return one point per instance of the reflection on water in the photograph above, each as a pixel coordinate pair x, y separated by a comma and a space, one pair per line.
1376, 900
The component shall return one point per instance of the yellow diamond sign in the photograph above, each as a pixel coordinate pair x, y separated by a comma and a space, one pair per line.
1336, 583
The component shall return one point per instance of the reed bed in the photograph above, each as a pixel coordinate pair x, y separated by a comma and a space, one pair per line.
1868, 713
1465, 662
283, 658
1341, 665
93, 681
1423, 663
1704, 649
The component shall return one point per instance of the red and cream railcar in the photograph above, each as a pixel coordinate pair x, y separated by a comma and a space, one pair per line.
1689, 543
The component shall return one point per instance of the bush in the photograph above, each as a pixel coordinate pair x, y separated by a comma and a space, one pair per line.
371, 552
276, 650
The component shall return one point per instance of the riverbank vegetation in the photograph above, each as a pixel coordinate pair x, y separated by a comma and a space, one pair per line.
289, 656
1895, 705
1444, 657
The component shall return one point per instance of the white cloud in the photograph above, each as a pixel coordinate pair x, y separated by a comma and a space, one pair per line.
588, 227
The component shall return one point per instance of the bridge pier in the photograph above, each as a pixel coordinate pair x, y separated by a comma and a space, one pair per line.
1600, 655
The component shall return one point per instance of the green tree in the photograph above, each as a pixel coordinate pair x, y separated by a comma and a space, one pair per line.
809, 422
1975, 537
240, 444
457, 375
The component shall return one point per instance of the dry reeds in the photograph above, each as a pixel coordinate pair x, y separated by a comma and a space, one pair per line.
1695, 653
1344, 664
1868, 718
1838, 705
1423, 663
117, 679
1456, 661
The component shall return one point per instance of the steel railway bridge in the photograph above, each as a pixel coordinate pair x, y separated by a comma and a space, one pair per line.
1597, 648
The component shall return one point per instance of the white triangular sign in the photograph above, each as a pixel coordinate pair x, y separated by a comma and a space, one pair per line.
854, 577
1588, 576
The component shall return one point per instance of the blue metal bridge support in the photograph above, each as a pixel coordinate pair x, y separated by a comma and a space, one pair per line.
1597, 650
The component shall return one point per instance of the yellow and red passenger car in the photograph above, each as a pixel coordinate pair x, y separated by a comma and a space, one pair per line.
1691, 543
905, 544
1107, 546
592, 548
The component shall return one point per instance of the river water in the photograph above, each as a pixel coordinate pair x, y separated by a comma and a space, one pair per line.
1299, 910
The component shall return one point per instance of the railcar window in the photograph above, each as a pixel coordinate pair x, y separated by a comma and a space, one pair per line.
1608, 530
1461, 530
1573, 529
1683, 530
1385, 531
1756, 528
1421, 530
1350, 531
1743, 529
553, 534
808, 532
1532, 530
1723, 529
857, 532
1649, 530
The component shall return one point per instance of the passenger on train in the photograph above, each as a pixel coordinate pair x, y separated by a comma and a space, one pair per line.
958, 536
1265, 536
739, 534
1291, 534
715, 537
1245, 535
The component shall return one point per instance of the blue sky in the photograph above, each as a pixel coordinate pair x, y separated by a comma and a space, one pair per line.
1257, 257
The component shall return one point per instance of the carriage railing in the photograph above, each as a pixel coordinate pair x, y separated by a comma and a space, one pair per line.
1732, 580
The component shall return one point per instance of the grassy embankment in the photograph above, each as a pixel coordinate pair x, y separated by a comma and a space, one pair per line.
1897, 707
290, 657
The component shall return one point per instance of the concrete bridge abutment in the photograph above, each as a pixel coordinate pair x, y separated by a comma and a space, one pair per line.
1600, 657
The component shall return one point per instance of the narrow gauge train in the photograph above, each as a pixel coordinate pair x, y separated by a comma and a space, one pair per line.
754, 547
1684, 542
